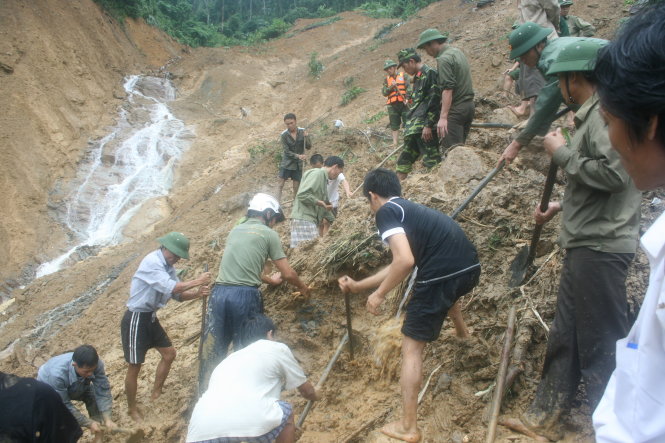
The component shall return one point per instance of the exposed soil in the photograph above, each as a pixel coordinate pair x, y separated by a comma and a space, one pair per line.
66, 84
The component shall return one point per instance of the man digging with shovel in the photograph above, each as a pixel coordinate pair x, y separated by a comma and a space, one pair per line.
448, 268
601, 214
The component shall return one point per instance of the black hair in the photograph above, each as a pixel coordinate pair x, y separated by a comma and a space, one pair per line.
382, 182
85, 356
315, 158
290, 116
255, 328
334, 160
415, 57
267, 214
630, 73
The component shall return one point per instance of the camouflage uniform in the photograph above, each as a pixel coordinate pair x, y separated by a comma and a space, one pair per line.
424, 111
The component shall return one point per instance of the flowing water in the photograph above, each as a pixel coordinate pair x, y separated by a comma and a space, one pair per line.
124, 169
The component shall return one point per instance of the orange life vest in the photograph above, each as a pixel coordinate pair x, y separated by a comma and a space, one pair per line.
396, 96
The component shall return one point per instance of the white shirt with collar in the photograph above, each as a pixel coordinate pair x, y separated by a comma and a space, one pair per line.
633, 406
153, 283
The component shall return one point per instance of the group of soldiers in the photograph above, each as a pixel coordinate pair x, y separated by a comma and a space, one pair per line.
617, 91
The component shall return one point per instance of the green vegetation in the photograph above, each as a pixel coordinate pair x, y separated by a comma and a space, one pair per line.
315, 66
351, 91
375, 118
244, 22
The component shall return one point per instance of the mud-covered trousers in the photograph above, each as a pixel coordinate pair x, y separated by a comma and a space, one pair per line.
414, 147
591, 315
228, 308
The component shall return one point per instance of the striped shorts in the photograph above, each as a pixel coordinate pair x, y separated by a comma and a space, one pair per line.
265, 438
302, 230
141, 331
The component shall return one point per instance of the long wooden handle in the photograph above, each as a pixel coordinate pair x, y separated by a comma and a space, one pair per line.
544, 204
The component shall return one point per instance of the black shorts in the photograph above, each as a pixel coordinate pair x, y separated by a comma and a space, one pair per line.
430, 303
141, 331
293, 174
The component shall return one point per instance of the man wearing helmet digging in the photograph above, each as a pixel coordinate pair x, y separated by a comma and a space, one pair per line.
600, 224
236, 296
153, 285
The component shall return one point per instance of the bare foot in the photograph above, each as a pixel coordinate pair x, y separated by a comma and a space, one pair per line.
136, 415
516, 425
395, 430
155, 395
519, 111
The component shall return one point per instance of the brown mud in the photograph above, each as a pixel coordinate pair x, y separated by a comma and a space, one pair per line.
236, 154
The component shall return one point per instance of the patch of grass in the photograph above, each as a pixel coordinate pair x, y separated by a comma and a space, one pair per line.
385, 30
315, 66
257, 151
348, 82
350, 94
375, 118
322, 23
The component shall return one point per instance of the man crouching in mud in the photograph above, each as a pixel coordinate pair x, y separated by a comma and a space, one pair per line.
447, 267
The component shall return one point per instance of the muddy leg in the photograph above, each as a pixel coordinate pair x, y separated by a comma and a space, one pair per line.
455, 314
163, 368
131, 382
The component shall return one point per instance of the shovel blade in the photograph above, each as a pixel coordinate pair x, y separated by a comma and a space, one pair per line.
518, 267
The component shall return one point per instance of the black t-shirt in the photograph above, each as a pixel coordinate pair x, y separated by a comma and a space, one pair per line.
438, 244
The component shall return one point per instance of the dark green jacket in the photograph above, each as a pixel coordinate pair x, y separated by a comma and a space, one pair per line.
601, 205
549, 97
576, 27
292, 148
426, 106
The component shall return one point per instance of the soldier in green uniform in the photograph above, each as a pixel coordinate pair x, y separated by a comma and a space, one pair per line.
455, 85
419, 135
395, 87
572, 25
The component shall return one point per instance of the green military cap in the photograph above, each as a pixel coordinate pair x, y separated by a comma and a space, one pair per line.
516, 24
525, 37
405, 55
177, 243
388, 64
577, 56
430, 34
565, 3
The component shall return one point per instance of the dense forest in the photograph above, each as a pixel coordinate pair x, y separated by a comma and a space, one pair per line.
233, 22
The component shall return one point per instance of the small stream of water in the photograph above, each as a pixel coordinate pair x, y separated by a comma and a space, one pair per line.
124, 169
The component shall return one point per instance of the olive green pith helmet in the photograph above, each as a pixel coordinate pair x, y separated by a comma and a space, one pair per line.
428, 35
577, 56
405, 55
565, 3
177, 243
388, 64
525, 37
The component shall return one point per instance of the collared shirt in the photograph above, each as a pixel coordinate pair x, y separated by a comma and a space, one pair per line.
314, 187
633, 406
294, 147
248, 246
549, 97
152, 284
453, 73
426, 106
601, 205
60, 374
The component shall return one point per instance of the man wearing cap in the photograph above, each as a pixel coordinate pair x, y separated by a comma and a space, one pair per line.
599, 231
153, 285
395, 87
529, 43
420, 138
236, 296
454, 75
572, 25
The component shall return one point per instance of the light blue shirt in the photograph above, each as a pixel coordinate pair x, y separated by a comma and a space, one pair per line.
59, 373
152, 285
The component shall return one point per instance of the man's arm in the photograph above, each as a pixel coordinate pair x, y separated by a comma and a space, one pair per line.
307, 141
102, 389
400, 267
446, 101
586, 28
347, 189
291, 276
286, 147
183, 287
311, 193
385, 89
307, 391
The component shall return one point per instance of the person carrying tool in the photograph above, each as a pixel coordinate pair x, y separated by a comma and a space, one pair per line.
394, 88
153, 285
630, 76
448, 268
236, 296
80, 375
529, 43
599, 231
572, 25
312, 203
242, 400
454, 77
420, 137
294, 142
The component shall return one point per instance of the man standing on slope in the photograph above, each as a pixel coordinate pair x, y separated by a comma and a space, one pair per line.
294, 142
153, 285
394, 88
454, 76
236, 296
